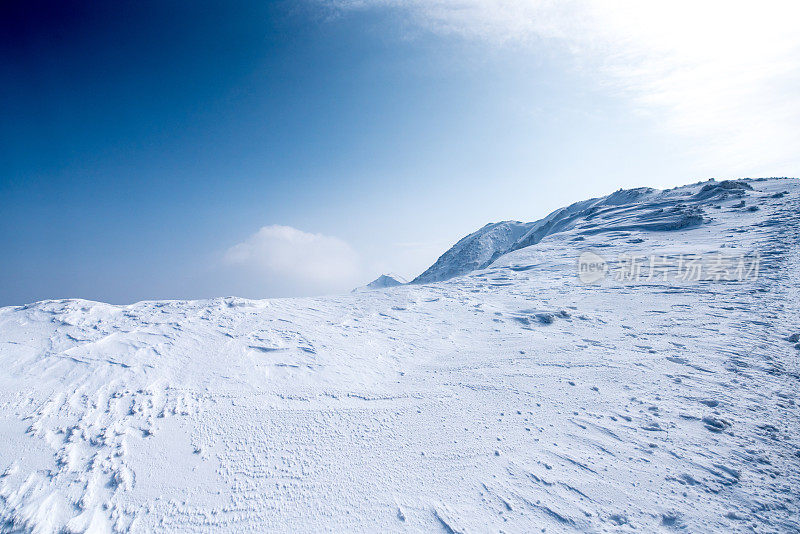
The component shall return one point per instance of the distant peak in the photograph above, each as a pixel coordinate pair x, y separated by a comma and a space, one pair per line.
383, 281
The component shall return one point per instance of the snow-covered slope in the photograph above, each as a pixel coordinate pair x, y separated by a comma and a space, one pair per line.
632, 209
514, 398
475, 251
383, 281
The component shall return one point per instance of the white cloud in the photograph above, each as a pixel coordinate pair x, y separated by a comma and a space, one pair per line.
285, 253
724, 74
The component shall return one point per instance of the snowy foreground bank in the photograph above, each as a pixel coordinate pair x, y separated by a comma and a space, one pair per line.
513, 397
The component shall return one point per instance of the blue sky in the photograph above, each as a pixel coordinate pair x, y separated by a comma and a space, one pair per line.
198, 149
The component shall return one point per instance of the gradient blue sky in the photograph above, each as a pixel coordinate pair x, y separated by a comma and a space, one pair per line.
158, 149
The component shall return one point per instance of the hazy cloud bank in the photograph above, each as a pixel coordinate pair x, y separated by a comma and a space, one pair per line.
282, 254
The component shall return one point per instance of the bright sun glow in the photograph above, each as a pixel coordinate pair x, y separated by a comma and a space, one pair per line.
724, 74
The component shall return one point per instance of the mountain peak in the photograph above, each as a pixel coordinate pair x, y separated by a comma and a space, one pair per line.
383, 281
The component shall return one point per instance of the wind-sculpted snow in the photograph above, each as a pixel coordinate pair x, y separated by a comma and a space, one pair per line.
515, 398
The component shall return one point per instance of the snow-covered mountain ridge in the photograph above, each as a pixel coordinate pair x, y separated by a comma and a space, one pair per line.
510, 398
641, 209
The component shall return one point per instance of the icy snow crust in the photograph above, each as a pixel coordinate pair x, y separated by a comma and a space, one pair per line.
442, 407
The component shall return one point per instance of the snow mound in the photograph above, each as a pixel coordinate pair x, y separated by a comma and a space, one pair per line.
724, 188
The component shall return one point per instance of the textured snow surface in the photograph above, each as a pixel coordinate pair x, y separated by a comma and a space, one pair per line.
511, 399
